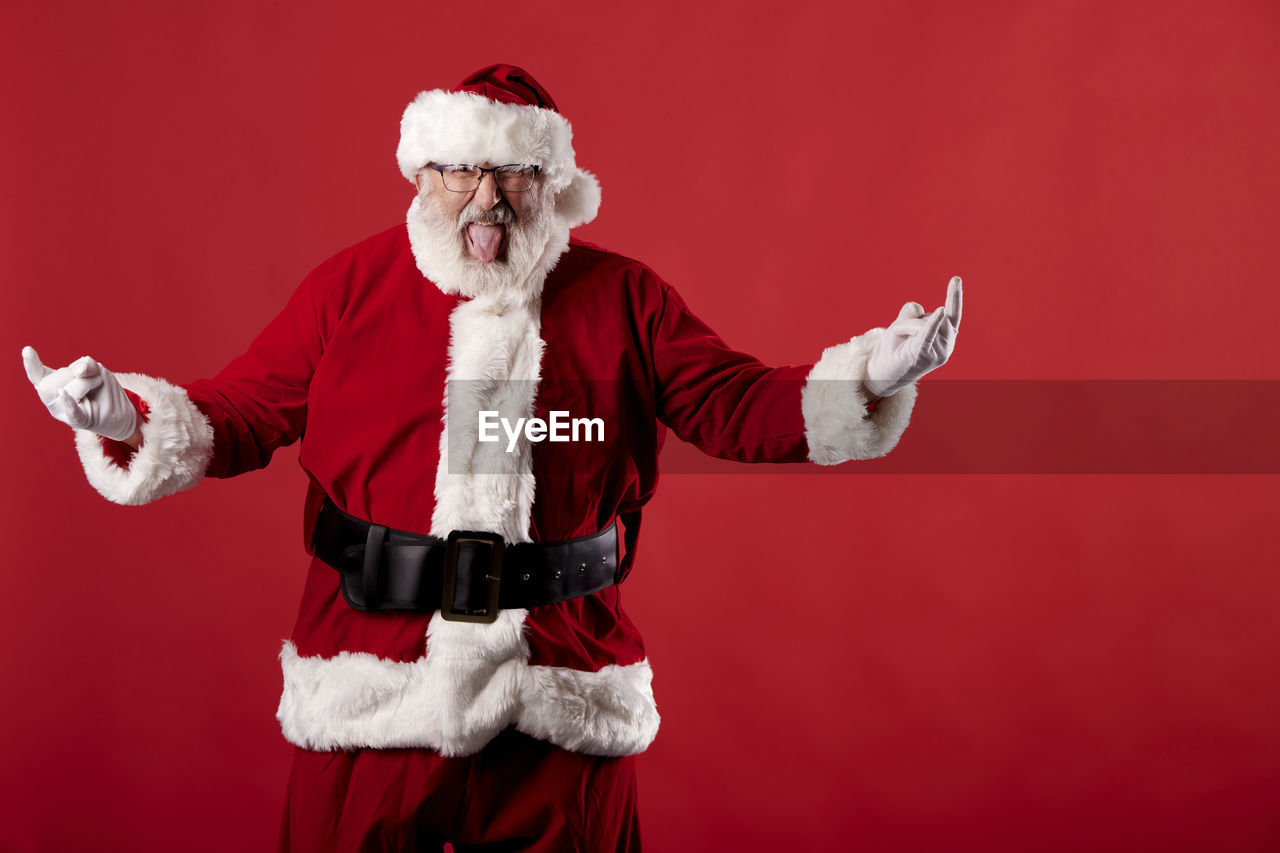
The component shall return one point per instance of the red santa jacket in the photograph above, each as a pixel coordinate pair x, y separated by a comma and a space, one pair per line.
357, 365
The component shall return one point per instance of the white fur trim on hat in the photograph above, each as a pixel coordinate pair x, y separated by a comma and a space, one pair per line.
177, 444
834, 404
464, 127
579, 202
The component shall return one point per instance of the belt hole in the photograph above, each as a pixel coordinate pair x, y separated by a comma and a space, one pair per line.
582, 568
525, 577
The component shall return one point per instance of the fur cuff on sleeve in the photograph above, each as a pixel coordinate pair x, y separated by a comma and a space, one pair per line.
177, 444
834, 404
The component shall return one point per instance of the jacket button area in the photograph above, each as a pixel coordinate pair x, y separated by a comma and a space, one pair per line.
525, 577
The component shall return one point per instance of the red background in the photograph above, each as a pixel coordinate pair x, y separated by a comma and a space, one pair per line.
994, 663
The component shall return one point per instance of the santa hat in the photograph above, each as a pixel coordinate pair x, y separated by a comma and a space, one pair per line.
499, 115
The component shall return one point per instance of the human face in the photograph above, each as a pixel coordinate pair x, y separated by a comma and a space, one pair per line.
485, 213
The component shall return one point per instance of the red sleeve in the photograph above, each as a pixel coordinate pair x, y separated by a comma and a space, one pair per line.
258, 403
725, 402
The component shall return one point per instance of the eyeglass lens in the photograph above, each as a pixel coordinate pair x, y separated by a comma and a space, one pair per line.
461, 178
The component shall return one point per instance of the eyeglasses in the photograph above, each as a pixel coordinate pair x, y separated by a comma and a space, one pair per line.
463, 178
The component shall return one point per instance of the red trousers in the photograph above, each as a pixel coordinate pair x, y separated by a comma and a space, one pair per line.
517, 793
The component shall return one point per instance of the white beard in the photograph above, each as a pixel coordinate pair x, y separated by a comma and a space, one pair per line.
534, 243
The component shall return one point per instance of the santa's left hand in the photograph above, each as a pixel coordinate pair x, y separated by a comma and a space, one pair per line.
913, 345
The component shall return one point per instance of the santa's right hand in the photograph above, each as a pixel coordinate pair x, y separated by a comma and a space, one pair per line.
83, 395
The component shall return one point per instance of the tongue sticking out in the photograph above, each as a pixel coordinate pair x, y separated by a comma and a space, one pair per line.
485, 240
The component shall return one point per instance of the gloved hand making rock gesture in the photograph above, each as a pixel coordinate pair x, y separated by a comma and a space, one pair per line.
83, 395
913, 344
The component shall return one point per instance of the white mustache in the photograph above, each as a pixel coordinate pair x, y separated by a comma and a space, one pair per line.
498, 215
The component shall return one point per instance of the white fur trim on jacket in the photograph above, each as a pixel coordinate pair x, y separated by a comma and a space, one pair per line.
834, 404
177, 445
495, 361
358, 700
463, 127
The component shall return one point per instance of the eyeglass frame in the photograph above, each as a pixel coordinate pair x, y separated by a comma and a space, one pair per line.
483, 171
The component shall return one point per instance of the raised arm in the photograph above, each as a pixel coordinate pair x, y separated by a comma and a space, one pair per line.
141, 438
854, 403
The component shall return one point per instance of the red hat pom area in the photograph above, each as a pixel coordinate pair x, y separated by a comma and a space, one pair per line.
509, 85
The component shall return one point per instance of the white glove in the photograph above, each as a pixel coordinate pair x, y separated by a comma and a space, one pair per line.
913, 345
84, 395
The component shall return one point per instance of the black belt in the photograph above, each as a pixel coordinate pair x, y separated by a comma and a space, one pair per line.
475, 575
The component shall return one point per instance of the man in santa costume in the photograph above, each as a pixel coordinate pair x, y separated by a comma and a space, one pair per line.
461, 668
